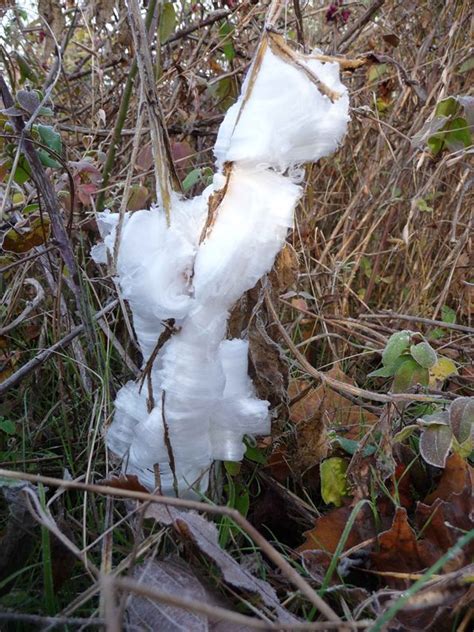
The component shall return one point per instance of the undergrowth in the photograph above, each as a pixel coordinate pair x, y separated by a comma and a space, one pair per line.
345, 489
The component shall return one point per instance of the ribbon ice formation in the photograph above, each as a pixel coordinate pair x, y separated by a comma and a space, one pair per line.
195, 269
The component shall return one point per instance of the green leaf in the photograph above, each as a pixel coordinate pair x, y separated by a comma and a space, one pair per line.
423, 206
405, 433
137, 197
26, 71
424, 354
384, 371
50, 137
167, 21
232, 467
408, 374
47, 160
7, 426
22, 171
350, 446
448, 315
447, 107
461, 418
435, 443
191, 179
225, 32
334, 485
256, 455
467, 65
458, 134
398, 343
28, 100
377, 71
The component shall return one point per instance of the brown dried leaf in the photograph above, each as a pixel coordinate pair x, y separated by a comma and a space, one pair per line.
128, 481
457, 475
137, 197
24, 238
267, 367
286, 269
191, 525
337, 412
181, 152
21, 533
328, 530
399, 551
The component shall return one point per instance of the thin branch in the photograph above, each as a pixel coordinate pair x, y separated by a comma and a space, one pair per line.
279, 561
30, 306
41, 358
51, 202
346, 40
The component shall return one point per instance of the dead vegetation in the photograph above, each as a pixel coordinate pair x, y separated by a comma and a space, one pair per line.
357, 513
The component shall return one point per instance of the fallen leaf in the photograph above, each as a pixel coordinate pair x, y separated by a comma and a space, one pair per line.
137, 197
181, 151
21, 239
334, 487
337, 412
328, 530
286, 269
204, 534
441, 524
128, 481
21, 533
399, 551
267, 368
457, 475
174, 577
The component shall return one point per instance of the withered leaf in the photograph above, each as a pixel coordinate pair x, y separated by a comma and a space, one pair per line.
21, 533
191, 525
457, 475
175, 577
128, 481
400, 551
22, 239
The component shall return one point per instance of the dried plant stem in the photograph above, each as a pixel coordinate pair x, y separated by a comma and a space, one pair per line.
41, 358
121, 117
338, 386
159, 139
256, 536
51, 203
217, 612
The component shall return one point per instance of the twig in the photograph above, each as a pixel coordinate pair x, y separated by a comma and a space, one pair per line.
45, 188
336, 385
41, 358
242, 522
30, 306
419, 319
217, 15
121, 117
217, 613
346, 40
53, 622
163, 164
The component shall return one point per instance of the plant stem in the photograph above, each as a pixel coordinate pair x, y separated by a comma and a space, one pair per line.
121, 116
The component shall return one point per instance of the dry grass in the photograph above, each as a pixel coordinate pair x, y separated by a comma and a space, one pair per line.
384, 226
